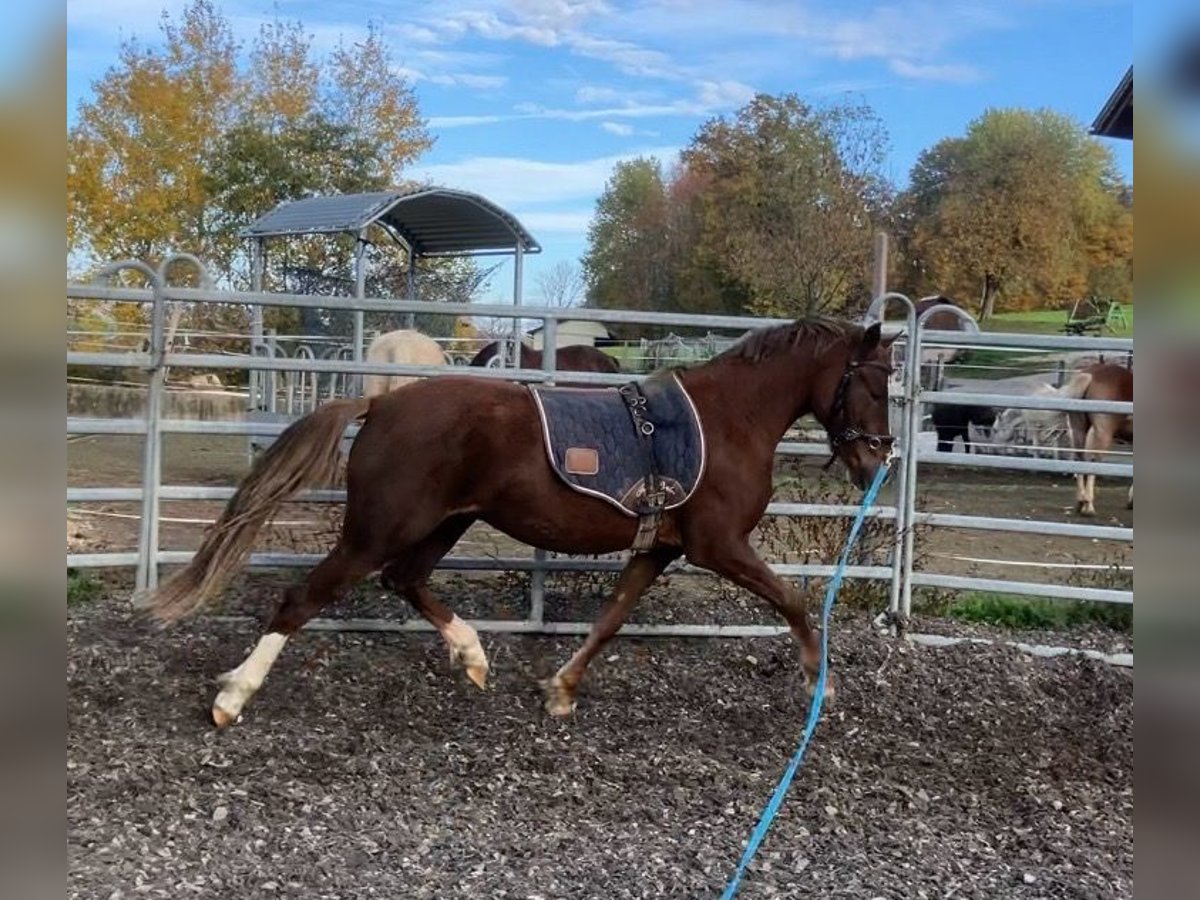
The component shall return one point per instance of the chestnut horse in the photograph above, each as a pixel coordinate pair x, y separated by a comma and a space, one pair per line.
567, 359
1094, 432
441, 454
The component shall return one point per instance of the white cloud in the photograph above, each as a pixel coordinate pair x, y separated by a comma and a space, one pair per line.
557, 223
597, 94
519, 183
617, 128
950, 72
724, 94
436, 122
467, 79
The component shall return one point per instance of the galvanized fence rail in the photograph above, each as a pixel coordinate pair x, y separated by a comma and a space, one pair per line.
907, 398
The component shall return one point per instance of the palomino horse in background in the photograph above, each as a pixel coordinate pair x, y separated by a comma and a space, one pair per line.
1094, 432
402, 347
441, 454
567, 359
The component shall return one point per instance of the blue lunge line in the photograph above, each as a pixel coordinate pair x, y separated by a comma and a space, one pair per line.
814, 709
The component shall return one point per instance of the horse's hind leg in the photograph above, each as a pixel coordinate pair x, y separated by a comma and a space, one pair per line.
637, 575
1086, 494
340, 569
409, 573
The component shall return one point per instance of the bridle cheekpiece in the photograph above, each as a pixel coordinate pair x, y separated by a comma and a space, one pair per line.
849, 434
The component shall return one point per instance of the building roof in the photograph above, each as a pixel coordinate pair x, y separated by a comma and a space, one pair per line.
1116, 118
579, 326
432, 221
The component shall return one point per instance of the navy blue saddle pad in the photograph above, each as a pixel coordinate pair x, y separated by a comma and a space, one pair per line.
591, 442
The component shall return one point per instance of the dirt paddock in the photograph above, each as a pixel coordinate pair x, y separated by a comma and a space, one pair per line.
364, 768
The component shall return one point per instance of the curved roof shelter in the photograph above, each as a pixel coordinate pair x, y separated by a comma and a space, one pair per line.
1115, 120
430, 221
427, 221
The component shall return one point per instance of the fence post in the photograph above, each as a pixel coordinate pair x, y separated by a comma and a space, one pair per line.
147, 571
537, 578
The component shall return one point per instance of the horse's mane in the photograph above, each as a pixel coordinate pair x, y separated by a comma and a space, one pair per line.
761, 343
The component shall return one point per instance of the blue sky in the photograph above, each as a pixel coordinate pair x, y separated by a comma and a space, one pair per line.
533, 101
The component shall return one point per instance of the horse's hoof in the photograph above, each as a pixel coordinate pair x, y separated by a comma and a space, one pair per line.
810, 688
1088, 511
478, 674
222, 718
559, 700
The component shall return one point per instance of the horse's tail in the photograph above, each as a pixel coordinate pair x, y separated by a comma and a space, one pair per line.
1077, 385
306, 454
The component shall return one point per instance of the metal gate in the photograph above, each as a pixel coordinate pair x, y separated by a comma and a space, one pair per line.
906, 392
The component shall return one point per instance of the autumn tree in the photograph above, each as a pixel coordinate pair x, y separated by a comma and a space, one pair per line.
791, 195
1024, 209
627, 265
182, 146
769, 212
137, 153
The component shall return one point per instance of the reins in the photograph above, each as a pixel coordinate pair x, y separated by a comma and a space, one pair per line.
814, 710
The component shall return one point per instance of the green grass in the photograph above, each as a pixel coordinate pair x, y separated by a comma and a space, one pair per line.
988, 362
1044, 321
82, 588
1020, 612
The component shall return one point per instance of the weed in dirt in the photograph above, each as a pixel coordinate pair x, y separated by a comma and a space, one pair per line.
82, 588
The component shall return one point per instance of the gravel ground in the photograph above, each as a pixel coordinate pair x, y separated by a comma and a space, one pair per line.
365, 769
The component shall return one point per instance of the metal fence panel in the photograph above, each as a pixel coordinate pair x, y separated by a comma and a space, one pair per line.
908, 396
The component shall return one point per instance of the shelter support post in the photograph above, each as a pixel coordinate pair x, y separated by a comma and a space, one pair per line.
518, 286
360, 293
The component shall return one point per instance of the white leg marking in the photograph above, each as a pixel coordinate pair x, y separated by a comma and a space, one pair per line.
465, 648
240, 685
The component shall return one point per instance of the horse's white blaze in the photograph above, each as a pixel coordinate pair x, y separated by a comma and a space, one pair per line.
240, 685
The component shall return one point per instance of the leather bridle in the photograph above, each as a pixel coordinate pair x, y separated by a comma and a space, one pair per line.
849, 434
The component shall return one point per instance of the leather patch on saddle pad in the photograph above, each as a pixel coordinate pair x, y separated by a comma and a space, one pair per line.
581, 461
592, 446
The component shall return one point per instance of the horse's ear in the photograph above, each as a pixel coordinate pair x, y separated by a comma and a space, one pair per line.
870, 340
888, 341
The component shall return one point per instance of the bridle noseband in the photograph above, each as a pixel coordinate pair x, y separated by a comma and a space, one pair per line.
850, 434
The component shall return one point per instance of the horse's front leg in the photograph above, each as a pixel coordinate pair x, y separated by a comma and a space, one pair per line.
735, 560
637, 575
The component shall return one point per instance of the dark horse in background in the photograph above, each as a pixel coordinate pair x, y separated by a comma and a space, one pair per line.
441, 454
952, 422
566, 359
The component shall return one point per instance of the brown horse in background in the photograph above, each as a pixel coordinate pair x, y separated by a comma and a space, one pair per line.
575, 358
445, 452
1094, 432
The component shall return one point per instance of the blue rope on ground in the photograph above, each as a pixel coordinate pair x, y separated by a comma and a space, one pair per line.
814, 709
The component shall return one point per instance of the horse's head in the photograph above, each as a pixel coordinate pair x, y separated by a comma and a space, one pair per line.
857, 418
1007, 427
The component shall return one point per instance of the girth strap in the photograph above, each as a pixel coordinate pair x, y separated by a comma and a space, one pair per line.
654, 498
